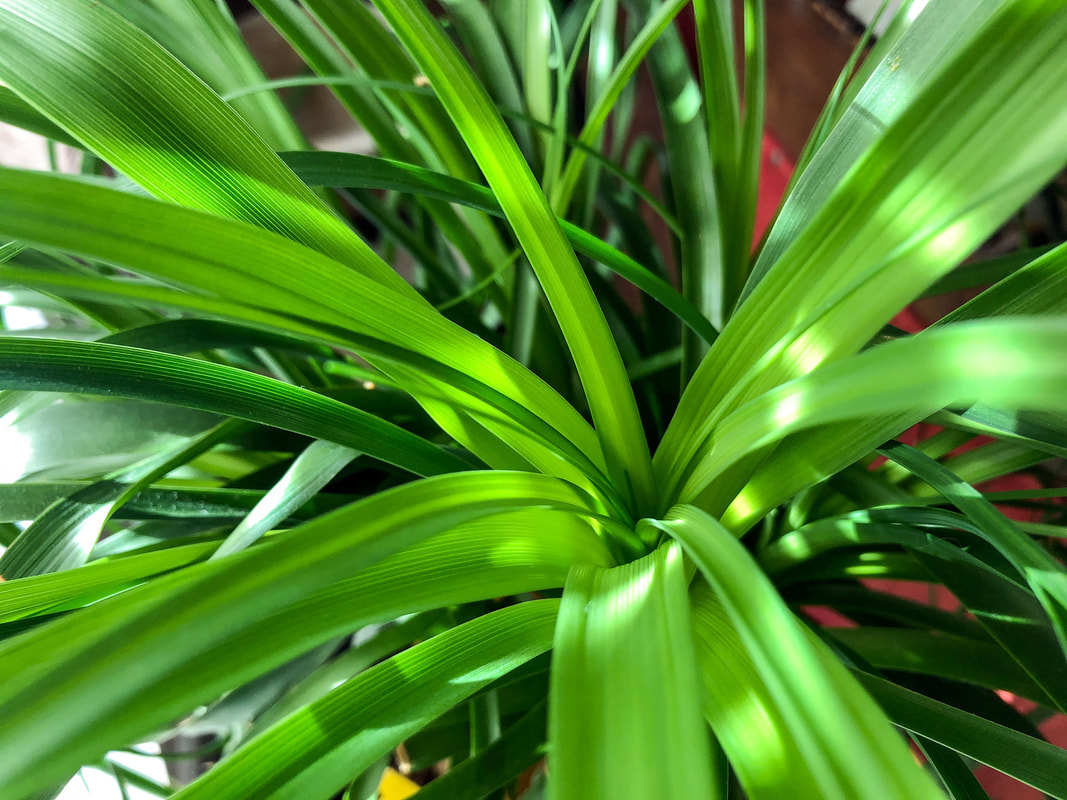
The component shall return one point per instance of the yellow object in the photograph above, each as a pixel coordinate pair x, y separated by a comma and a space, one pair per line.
395, 786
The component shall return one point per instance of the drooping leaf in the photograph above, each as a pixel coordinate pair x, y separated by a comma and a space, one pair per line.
843, 737
621, 719
46, 365
315, 751
110, 666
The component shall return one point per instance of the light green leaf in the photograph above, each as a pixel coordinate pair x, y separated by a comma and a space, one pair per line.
890, 228
848, 747
307, 475
622, 723
25, 597
257, 268
315, 751
136, 106
930, 34
110, 668
46, 365
66, 532
595, 354
1002, 362
344, 170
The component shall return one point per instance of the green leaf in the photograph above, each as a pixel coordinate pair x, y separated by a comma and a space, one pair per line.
519, 746
110, 668
810, 456
899, 70
86, 438
25, 597
206, 38
889, 228
315, 751
137, 107
747, 721
601, 370
1032, 761
1002, 362
952, 770
1039, 287
20, 501
844, 739
946, 656
1046, 575
308, 474
622, 723
66, 532
704, 279
16, 111
346, 170
257, 268
357, 659
58, 366
643, 41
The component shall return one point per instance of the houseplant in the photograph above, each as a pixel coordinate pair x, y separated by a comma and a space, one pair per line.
285, 442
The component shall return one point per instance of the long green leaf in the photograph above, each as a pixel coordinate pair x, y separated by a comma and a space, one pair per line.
258, 267
597, 117
1045, 574
113, 98
207, 40
931, 188
621, 719
701, 268
109, 668
63, 536
595, 354
898, 72
804, 459
315, 751
92, 367
351, 170
1001, 362
1030, 760
953, 657
25, 597
518, 747
306, 476
849, 748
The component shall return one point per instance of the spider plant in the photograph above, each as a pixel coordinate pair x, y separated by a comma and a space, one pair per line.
508, 508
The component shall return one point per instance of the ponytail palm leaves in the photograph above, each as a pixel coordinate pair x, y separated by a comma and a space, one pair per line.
607, 515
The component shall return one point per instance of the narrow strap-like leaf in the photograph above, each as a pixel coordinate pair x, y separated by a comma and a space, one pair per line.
595, 354
63, 536
1030, 760
316, 750
1045, 574
343, 170
842, 734
306, 476
518, 747
111, 667
621, 721
58, 366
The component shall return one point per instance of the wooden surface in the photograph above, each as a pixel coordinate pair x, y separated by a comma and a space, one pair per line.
806, 49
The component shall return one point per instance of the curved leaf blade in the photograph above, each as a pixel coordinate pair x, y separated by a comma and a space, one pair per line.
94, 367
848, 746
315, 751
